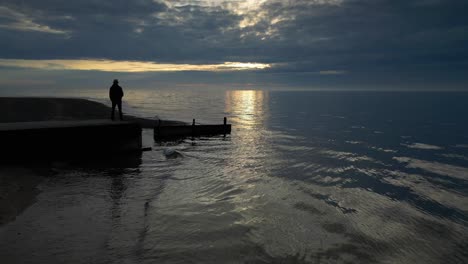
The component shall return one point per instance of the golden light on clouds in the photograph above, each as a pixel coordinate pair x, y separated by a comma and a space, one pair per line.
128, 66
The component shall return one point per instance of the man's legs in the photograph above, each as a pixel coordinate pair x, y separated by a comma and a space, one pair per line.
119, 104
113, 110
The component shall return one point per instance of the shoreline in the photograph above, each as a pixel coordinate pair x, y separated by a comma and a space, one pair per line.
31, 109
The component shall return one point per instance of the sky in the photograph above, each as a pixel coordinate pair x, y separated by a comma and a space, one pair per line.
251, 44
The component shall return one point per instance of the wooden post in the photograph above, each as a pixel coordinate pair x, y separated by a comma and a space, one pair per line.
193, 128
157, 129
225, 127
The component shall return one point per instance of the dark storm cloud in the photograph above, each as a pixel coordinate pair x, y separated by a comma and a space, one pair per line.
385, 37
86, 7
368, 33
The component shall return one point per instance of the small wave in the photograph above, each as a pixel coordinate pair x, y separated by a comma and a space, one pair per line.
427, 191
294, 148
455, 156
354, 142
384, 150
328, 200
435, 167
422, 146
348, 156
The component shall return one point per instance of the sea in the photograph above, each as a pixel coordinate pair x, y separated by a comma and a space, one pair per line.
304, 177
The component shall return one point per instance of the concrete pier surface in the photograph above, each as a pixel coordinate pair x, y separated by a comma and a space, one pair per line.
60, 139
60, 124
27, 109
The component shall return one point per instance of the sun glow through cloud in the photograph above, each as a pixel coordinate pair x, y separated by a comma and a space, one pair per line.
128, 66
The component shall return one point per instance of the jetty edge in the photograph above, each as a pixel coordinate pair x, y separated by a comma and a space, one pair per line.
68, 139
52, 128
163, 131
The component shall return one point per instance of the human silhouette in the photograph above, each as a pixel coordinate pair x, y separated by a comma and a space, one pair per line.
116, 94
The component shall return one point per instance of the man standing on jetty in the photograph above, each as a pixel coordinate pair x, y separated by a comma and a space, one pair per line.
116, 94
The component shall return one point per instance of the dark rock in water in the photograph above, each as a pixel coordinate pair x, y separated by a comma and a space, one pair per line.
172, 153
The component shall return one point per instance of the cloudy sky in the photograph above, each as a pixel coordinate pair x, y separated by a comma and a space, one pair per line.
315, 44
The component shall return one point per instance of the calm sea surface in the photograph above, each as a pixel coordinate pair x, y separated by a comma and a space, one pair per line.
305, 177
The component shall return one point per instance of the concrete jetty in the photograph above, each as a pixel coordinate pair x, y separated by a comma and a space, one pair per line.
67, 139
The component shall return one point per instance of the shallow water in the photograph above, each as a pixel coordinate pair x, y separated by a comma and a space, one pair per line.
305, 177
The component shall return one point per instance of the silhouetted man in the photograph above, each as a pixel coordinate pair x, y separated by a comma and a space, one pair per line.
116, 94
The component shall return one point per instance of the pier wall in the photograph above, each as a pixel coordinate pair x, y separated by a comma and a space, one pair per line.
60, 139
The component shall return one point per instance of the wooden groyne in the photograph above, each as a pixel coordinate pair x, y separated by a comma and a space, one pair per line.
79, 139
167, 132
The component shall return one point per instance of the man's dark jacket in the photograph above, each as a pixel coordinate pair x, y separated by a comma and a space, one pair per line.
116, 93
